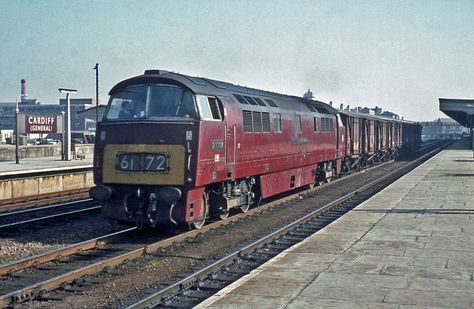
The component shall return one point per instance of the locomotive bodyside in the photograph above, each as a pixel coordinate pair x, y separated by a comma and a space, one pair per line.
196, 147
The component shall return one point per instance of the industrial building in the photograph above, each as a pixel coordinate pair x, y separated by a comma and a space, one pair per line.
29, 106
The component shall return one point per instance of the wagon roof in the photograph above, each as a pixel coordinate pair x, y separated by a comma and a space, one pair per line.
376, 117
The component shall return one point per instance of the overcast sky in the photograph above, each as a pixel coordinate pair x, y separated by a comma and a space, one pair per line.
399, 55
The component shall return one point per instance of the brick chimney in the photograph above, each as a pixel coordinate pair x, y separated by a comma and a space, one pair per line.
23, 90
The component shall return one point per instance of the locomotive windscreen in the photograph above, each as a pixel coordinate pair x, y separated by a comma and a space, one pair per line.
151, 102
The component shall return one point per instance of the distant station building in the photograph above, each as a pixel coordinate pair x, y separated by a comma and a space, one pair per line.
442, 128
80, 126
92, 113
78, 123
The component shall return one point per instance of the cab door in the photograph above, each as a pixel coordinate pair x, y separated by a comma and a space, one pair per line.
212, 140
231, 140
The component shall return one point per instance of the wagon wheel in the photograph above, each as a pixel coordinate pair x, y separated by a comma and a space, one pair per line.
202, 214
223, 215
219, 213
245, 207
357, 167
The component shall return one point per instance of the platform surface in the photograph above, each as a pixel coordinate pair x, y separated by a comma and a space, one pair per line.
41, 164
409, 246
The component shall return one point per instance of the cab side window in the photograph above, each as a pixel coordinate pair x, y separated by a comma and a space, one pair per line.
209, 108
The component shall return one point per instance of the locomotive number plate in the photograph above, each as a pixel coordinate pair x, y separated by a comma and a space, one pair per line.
155, 163
142, 162
129, 162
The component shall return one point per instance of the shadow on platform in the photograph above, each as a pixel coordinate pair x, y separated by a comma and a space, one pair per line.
419, 211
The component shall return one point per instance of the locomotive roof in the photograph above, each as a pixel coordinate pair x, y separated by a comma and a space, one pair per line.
201, 85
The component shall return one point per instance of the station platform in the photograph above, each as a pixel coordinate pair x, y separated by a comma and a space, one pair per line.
409, 246
30, 165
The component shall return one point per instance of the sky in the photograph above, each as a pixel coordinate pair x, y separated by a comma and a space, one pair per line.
398, 55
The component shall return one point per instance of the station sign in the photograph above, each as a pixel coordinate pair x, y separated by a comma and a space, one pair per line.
40, 124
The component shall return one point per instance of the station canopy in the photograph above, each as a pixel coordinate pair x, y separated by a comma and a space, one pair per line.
461, 110
90, 113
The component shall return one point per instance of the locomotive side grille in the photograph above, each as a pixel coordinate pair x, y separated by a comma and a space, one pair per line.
257, 121
266, 122
247, 121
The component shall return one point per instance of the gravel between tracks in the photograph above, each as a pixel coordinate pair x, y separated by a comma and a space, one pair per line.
129, 281
58, 234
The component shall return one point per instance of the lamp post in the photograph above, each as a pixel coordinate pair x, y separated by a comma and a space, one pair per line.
67, 149
62, 136
96, 68
17, 110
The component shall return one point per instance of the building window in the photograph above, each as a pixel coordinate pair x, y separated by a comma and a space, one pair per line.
316, 124
277, 122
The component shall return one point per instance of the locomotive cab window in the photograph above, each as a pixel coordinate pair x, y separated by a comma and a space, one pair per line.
209, 108
151, 101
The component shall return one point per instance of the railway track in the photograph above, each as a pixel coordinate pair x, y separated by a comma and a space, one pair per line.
13, 204
67, 264
33, 216
71, 263
196, 287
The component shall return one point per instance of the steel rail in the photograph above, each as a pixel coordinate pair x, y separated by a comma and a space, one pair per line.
160, 295
26, 202
431, 144
53, 283
22, 211
50, 217
58, 253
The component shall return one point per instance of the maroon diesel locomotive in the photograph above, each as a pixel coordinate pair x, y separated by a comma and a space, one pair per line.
175, 149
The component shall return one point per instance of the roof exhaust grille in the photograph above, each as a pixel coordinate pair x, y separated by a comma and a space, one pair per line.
154, 72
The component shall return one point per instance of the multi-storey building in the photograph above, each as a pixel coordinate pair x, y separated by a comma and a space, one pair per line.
442, 128
79, 125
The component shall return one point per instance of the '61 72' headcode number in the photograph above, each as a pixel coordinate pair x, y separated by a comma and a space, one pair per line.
142, 162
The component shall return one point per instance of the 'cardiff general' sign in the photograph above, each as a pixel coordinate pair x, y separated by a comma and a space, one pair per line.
41, 124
